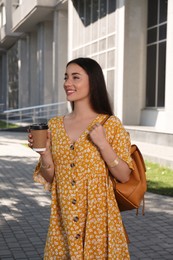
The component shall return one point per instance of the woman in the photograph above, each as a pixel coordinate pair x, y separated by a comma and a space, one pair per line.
85, 221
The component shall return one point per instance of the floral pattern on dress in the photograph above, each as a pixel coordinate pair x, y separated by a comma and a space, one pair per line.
85, 221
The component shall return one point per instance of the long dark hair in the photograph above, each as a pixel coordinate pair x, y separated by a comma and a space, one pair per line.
98, 93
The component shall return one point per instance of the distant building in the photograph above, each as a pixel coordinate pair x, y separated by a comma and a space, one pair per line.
132, 41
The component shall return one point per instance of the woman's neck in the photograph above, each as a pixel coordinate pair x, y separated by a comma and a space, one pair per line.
83, 111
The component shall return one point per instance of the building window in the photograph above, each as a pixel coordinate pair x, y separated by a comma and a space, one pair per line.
13, 88
94, 25
2, 15
156, 53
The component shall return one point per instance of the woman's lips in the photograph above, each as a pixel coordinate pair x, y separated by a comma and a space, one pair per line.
70, 91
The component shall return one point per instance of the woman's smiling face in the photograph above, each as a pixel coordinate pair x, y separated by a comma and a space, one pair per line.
76, 83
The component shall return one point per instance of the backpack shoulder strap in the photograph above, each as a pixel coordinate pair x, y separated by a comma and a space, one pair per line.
105, 119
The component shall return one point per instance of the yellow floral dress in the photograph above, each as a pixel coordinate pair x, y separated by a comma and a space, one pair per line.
85, 222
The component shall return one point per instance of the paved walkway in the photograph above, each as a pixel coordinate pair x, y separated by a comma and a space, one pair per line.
25, 209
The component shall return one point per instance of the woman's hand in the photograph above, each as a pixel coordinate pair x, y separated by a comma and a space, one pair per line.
98, 135
46, 167
48, 142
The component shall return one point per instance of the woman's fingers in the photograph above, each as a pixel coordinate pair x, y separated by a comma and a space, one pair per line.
30, 140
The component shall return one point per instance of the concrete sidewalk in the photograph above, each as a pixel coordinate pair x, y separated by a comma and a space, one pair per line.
157, 153
25, 210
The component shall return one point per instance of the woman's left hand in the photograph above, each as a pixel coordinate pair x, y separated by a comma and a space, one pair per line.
98, 135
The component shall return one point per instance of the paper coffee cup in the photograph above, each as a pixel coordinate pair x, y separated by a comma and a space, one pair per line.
39, 134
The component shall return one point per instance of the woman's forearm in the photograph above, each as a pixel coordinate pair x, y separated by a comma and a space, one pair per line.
118, 168
47, 168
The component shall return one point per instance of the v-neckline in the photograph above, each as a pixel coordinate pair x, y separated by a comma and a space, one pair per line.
87, 129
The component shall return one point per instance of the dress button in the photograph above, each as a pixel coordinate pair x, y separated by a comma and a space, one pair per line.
77, 236
71, 147
75, 219
74, 201
73, 182
72, 165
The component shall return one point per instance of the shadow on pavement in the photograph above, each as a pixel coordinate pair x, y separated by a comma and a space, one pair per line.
24, 210
151, 235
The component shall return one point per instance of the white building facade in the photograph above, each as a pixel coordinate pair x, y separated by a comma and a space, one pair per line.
132, 40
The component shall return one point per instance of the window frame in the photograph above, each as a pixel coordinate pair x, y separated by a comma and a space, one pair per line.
153, 40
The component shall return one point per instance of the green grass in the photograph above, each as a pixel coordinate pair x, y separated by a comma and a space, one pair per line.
3, 125
159, 179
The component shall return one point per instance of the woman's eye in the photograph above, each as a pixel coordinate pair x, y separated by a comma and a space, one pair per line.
75, 77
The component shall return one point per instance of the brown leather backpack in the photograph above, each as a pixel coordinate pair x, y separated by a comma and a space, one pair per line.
129, 195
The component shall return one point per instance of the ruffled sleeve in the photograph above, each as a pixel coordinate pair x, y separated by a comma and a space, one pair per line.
39, 178
121, 142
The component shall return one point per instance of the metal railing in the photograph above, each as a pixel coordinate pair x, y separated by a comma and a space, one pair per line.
35, 113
